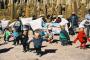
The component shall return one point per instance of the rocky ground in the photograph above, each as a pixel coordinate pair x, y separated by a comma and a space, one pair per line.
54, 52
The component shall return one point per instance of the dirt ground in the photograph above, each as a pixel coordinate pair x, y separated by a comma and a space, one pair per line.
54, 52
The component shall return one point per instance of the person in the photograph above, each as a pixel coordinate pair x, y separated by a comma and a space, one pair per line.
6, 35
50, 36
34, 17
81, 36
37, 40
73, 19
64, 36
87, 16
0, 27
25, 42
58, 20
15, 34
18, 27
87, 24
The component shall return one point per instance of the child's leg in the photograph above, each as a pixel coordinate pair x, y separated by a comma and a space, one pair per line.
8, 38
84, 45
81, 45
38, 51
17, 40
14, 42
62, 42
28, 46
24, 48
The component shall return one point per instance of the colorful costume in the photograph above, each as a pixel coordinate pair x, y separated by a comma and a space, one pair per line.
82, 39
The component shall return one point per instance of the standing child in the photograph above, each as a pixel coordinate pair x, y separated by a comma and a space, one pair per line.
6, 35
81, 37
25, 41
64, 37
37, 40
16, 35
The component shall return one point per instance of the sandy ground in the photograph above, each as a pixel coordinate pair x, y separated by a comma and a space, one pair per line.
55, 52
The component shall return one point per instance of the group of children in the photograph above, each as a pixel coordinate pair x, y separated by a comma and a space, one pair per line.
38, 38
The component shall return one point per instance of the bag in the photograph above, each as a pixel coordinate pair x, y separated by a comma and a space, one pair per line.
11, 38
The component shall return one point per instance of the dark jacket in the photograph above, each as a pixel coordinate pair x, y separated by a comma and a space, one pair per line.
37, 42
74, 20
24, 39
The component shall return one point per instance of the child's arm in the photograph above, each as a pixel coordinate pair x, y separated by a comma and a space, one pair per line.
30, 40
75, 40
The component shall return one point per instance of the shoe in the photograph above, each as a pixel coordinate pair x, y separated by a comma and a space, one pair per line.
24, 51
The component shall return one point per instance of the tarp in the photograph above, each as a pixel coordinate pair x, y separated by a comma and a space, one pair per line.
4, 23
56, 26
36, 24
25, 21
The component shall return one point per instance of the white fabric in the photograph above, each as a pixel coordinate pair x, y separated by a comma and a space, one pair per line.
25, 21
61, 16
36, 24
64, 22
82, 24
4, 23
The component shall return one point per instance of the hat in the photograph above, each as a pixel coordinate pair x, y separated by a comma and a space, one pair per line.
61, 16
73, 12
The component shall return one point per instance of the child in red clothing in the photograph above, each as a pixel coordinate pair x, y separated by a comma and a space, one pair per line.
82, 38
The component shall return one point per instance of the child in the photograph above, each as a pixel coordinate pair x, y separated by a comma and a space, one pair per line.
81, 37
7, 35
50, 36
25, 41
37, 40
64, 37
16, 35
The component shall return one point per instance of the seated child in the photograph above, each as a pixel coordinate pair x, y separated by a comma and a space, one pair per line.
64, 37
25, 41
37, 40
81, 37
50, 36
7, 35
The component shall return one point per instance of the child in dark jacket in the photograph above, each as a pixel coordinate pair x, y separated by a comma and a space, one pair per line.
82, 38
25, 41
37, 40
64, 36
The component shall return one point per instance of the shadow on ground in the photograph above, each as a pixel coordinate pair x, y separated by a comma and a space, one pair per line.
45, 52
5, 50
48, 51
56, 41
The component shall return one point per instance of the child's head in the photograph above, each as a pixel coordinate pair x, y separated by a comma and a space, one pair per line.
6, 29
62, 27
81, 29
37, 34
24, 32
